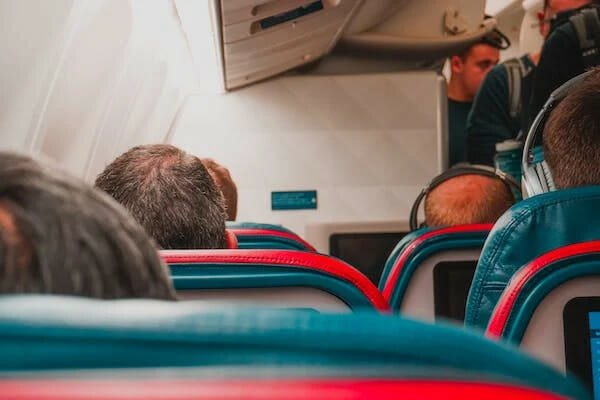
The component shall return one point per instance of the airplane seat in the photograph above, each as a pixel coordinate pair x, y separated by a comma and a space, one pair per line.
428, 274
273, 278
529, 229
73, 337
252, 235
544, 297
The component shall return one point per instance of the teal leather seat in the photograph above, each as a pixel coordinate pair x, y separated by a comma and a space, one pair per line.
251, 235
49, 333
411, 265
530, 310
529, 229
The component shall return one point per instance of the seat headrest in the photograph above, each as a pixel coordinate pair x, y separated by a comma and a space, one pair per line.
547, 272
402, 244
529, 229
266, 236
54, 332
256, 225
319, 271
419, 245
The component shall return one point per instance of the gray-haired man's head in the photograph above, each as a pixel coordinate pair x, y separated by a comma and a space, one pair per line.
170, 193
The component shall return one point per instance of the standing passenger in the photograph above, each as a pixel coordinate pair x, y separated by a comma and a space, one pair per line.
571, 48
468, 71
500, 109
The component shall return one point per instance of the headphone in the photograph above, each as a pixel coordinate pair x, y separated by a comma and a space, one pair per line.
537, 178
482, 170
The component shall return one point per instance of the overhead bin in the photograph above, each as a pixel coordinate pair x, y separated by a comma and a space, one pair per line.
431, 29
258, 39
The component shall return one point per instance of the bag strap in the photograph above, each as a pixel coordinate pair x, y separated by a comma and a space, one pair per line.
587, 27
516, 71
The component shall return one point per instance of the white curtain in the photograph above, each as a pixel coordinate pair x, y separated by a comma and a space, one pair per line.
83, 80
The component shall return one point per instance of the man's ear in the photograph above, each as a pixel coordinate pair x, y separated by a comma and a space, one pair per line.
456, 64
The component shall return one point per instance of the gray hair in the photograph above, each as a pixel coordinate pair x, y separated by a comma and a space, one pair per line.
170, 193
60, 236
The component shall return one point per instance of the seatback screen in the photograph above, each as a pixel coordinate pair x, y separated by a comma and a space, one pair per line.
581, 323
366, 252
451, 284
594, 318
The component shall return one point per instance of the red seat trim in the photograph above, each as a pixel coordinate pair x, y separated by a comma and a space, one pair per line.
260, 389
272, 232
518, 281
401, 260
294, 258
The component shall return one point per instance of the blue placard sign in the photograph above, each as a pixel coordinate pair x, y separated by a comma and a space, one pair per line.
298, 200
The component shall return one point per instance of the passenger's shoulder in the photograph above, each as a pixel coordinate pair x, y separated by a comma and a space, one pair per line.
497, 75
563, 34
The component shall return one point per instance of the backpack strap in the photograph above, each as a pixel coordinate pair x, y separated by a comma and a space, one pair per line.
587, 26
516, 71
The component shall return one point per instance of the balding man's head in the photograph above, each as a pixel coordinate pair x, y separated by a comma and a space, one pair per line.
467, 199
170, 193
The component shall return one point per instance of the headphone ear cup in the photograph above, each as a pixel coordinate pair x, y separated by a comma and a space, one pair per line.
537, 179
548, 179
530, 182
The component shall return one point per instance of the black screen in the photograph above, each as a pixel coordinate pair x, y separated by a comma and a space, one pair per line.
367, 252
451, 284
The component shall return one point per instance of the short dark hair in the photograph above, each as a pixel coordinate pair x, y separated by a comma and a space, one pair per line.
467, 199
572, 136
170, 193
61, 236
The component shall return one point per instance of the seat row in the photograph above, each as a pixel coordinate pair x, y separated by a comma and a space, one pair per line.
78, 348
516, 280
531, 267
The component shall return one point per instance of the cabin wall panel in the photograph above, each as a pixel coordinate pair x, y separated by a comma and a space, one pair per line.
366, 143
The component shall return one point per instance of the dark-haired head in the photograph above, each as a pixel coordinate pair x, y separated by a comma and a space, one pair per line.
60, 236
572, 136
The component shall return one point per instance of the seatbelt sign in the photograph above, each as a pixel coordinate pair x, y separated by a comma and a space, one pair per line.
296, 200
